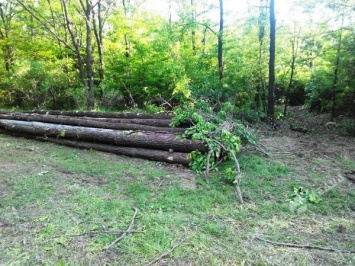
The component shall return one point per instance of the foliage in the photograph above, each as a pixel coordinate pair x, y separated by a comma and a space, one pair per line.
146, 57
300, 196
198, 161
222, 135
347, 126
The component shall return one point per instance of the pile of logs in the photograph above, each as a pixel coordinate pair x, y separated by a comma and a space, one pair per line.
137, 135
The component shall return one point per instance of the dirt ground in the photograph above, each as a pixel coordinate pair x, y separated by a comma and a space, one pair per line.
312, 143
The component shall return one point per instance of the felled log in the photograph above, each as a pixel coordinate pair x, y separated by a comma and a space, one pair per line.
154, 155
103, 115
151, 140
97, 123
157, 122
149, 122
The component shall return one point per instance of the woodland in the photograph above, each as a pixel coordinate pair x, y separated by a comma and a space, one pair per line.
257, 97
131, 54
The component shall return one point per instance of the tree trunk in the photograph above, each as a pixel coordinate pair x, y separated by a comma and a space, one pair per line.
67, 120
193, 31
220, 41
154, 155
7, 12
271, 98
260, 89
163, 123
140, 139
294, 46
76, 45
87, 8
336, 70
102, 114
98, 28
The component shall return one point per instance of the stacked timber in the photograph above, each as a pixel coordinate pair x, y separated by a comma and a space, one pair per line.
137, 135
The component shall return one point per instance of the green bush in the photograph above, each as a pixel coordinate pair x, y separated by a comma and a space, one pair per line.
347, 127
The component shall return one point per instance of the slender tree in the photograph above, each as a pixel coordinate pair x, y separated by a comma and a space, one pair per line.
193, 31
336, 68
7, 12
294, 48
89, 59
271, 97
98, 25
260, 89
220, 40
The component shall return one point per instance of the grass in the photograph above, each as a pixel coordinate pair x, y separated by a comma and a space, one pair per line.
49, 192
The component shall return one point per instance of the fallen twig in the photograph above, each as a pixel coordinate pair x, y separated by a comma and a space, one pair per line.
125, 233
166, 253
208, 166
91, 233
238, 176
293, 245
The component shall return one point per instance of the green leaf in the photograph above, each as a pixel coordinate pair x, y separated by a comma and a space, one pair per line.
313, 196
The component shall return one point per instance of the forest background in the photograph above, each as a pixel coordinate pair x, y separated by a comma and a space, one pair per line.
112, 55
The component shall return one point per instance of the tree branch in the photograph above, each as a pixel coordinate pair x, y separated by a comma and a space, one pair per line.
45, 26
166, 253
125, 233
237, 166
91, 233
331, 249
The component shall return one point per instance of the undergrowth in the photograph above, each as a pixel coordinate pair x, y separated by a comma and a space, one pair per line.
223, 136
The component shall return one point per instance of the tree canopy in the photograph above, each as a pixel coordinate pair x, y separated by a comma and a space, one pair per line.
86, 54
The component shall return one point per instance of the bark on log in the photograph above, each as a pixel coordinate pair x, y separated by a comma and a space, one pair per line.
121, 138
145, 121
102, 115
97, 123
149, 122
154, 155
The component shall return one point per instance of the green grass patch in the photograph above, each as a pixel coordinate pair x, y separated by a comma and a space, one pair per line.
51, 195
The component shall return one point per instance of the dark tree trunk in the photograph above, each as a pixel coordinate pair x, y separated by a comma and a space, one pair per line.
97, 123
98, 28
126, 40
163, 123
87, 8
260, 90
336, 70
7, 12
193, 32
101, 115
140, 139
294, 46
271, 98
75, 42
220, 41
154, 155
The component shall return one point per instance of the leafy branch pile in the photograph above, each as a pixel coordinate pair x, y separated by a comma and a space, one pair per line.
300, 196
223, 135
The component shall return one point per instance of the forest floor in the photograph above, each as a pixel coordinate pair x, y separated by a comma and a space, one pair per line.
65, 206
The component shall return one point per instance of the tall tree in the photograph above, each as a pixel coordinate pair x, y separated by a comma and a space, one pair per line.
260, 86
7, 12
220, 40
193, 31
87, 7
336, 68
294, 47
271, 91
